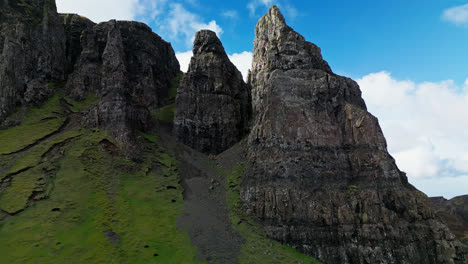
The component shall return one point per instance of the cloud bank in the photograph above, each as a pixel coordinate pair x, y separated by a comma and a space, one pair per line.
172, 20
426, 127
102, 10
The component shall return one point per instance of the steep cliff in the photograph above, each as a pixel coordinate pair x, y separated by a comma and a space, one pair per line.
32, 48
319, 175
213, 103
74, 26
126, 65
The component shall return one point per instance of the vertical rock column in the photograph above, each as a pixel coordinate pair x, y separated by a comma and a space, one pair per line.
213, 103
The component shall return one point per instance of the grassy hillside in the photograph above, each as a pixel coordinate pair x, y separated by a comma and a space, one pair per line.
68, 195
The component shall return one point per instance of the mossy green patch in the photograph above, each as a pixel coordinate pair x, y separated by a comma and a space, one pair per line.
152, 138
16, 197
165, 114
174, 86
79, 106
352, 189
49, 109
35, 155
258, 248
103, 208
19, 137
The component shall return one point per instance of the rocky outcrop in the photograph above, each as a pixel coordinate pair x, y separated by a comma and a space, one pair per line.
125, 64
213, 103
319, 175
454, 212
32, 47
74, 26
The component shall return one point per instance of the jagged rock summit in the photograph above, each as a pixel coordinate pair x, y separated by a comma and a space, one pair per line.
319, 175
213, 103
126, 65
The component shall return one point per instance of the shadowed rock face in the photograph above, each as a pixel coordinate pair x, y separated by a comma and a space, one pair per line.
74, 25
454, 212
125, 64
213, 103
32, 47
319, 174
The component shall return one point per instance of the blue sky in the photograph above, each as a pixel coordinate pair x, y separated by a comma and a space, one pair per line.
409, 57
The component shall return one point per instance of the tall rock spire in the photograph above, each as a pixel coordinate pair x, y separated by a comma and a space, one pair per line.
213, 103
319, 174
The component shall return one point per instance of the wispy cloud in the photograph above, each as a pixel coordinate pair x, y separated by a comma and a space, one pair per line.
457, 14
230, 14
181, 22
425, 124
254, 4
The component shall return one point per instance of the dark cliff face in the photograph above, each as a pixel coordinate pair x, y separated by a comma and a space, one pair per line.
125, 64
213, 103
32, 47
319, 174
74, 25
454, 212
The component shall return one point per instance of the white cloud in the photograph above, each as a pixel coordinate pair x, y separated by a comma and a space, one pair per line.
181, 22
184, 59
149, 8
99, 11
447, 187
243, 62
426, 127
457, 14
172, 20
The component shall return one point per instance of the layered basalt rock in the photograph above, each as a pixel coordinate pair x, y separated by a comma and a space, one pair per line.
32, 47
125, 64
319, 175
213, 103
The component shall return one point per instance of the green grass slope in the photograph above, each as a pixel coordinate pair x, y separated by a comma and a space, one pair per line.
73, 198
68, 195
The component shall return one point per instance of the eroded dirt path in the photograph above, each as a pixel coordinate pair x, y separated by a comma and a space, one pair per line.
206, 216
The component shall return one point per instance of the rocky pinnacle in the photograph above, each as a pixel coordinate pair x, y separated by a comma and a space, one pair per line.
319, 175
213, 103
